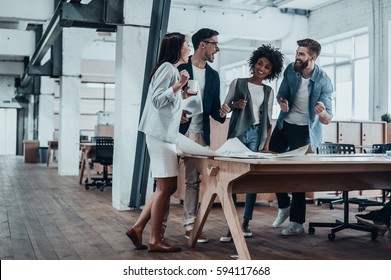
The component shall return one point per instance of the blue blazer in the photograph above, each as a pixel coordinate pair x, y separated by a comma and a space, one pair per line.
211, 101
320, 88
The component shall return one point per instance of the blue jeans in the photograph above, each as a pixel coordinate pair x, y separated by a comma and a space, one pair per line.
250, 140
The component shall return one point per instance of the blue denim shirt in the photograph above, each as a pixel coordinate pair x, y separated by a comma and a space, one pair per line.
320, 88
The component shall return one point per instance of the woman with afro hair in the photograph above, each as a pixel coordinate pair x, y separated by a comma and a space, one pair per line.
251, 102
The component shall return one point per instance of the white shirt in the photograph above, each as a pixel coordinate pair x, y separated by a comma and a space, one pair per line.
257, 97
299, 113
196, 124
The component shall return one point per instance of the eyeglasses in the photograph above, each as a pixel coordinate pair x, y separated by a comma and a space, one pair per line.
213, 43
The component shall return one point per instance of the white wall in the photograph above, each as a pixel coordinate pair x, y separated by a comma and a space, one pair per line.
7, 92
8, 131
240, 33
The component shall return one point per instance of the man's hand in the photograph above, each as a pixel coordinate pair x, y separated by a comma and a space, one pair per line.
224, 110
186, 94
320, 110
284, 104
184, 118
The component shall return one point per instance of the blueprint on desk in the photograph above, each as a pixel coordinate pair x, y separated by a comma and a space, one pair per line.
231, 148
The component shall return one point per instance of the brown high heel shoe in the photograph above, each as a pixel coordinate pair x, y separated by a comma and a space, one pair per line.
163, 248
131, 233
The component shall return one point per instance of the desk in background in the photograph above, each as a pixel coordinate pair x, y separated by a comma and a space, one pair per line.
52, 147
225, 176
87, 149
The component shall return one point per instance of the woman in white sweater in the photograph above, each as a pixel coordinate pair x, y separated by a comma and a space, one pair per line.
160, 123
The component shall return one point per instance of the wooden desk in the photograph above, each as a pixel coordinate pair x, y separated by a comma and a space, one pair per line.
52, 146
225, 176
86, 149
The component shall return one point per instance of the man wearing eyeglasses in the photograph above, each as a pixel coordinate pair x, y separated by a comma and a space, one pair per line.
197, 128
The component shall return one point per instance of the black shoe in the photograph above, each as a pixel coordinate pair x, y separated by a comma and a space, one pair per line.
246, 231
376, 219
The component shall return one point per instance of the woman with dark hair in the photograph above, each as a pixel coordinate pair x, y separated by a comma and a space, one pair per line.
251, 103
160, 123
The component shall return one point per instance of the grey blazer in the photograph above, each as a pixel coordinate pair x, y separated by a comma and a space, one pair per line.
162, 113
242, 120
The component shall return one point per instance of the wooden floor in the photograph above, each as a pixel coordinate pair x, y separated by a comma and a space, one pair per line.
47, 216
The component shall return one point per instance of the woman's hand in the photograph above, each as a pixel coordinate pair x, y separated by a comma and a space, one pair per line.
183, 78
240, 104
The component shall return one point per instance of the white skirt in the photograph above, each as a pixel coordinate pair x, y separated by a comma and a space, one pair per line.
164, 160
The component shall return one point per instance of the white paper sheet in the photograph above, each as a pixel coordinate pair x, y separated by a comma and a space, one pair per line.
235, 148
231, 148
193, 104
187, 146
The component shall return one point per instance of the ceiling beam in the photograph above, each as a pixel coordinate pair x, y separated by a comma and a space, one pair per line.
222, 6
95, 15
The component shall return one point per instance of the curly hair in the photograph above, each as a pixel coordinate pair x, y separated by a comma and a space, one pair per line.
273, 54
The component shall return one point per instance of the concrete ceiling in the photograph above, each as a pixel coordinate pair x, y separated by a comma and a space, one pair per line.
253, 6
17, 17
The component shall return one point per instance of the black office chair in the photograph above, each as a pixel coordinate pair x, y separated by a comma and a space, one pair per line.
363, 203
104, 156
331, 148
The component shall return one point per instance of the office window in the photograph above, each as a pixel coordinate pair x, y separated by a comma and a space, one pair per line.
94, 98
361, 46
361, 86
343, 97
344, 50
346, 61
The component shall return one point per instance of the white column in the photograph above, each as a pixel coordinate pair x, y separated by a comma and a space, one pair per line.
387, 67
68, 150
74, 41
45, 120
30, 117
131, 51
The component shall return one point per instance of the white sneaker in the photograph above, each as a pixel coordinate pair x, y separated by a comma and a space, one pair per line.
293, 229
225, 239
283, 214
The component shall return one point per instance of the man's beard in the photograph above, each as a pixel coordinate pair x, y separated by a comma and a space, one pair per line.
209, 58
299, 67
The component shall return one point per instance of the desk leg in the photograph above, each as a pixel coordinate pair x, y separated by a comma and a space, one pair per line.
87, 166
203, 213
234, 225
83, 163
49, 152
219, 182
